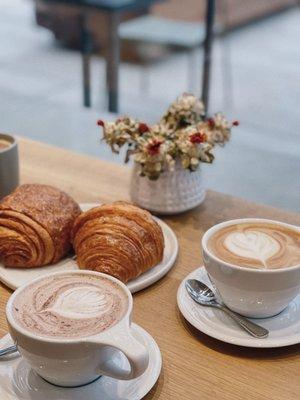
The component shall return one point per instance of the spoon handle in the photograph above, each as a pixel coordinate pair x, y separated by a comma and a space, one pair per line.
8, 350
252, 328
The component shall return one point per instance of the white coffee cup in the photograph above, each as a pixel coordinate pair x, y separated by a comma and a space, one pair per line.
75, 362
256, 293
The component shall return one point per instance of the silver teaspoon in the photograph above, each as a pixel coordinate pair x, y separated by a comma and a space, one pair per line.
8, 350
203, 295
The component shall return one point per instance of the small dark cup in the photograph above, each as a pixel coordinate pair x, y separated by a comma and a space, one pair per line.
9, 164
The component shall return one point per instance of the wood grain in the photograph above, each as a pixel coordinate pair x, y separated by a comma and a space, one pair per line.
195, 366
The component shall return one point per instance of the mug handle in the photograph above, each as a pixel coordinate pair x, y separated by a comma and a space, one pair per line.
136, 353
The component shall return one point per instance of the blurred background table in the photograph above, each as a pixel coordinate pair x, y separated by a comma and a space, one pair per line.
195, 366
114, 10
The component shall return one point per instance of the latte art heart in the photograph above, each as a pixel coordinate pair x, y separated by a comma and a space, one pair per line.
252, 244
257, 245
81, 302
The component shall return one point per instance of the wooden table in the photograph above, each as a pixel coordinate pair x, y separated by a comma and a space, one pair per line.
195, 366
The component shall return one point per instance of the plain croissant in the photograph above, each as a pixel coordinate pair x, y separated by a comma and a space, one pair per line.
35, 226
119, 239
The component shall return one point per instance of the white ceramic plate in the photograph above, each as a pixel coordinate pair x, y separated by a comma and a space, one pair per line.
284, 328
19, 382
15, 277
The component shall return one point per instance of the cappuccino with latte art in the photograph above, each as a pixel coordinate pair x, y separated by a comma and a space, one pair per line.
261, 245
70, 306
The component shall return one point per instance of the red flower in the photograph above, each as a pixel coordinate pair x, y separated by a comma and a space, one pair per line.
235, 123
198, 138
100, 122
153, 148
211, 122
143, 128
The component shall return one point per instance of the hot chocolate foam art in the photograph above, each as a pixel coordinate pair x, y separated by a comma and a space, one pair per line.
82, 302
70, 306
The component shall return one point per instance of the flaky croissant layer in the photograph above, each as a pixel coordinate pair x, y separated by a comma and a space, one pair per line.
35, 226
119, 239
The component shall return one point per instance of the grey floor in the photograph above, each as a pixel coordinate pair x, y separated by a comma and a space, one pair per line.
40, 98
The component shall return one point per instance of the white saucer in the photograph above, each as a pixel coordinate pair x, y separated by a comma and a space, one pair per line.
15, 277
284, 328
19, 382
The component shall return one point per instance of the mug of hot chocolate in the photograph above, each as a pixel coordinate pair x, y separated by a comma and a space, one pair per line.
9, 164
254, 264
68, 326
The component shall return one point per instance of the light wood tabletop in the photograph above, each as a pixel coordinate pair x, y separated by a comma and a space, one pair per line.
195, 366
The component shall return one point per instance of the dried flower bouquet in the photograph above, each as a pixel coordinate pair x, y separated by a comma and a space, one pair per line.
182, 134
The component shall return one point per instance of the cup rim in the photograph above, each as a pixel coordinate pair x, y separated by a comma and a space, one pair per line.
12, 139
40, 338
220, 225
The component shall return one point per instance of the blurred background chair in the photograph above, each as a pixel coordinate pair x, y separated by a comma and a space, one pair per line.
171, 34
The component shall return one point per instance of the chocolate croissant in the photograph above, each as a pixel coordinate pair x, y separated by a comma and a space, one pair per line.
35, 225
119, 239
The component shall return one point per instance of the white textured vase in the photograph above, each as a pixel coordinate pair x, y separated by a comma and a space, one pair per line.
173, 192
